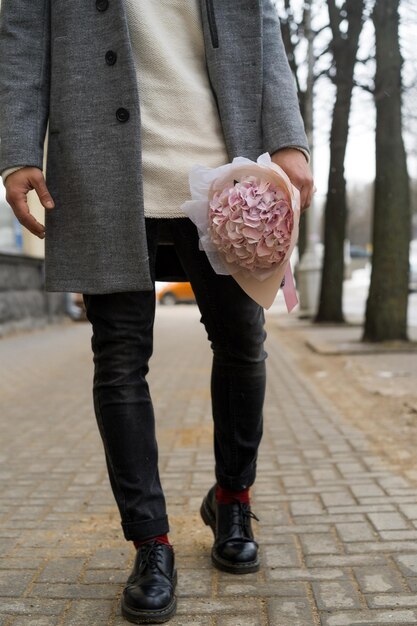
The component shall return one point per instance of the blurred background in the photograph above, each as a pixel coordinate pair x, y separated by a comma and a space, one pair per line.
355, 67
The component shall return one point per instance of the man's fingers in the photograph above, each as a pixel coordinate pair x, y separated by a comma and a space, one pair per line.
44, 196
310, 197
303, 198
306, 196
18, 202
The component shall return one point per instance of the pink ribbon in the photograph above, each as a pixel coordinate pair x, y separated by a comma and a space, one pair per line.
288, 288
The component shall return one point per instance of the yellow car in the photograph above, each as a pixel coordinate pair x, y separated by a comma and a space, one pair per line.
175, 293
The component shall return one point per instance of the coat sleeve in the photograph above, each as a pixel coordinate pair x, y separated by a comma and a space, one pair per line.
282, 124
24, 81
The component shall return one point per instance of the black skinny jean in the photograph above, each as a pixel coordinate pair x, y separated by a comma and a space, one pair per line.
122, 344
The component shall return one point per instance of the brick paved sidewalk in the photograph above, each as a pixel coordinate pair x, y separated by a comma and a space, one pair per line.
338, 528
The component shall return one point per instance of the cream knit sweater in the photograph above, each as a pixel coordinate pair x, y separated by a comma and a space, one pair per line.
180, 123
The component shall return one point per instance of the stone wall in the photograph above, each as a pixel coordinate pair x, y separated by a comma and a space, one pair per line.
24, 304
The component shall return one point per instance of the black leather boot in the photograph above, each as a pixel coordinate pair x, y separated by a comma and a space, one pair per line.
235, 549
149, 597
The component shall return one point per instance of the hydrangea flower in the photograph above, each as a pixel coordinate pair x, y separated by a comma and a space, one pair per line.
247, 215
251, 223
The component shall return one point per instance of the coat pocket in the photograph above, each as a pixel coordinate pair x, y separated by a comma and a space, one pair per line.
212, 24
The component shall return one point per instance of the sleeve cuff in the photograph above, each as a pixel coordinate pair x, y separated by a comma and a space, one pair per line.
303, 150
5, 173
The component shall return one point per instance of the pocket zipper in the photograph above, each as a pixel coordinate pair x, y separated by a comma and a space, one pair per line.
212, 24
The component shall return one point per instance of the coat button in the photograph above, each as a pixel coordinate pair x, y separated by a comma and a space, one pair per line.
102, 5
111, 57
122, 114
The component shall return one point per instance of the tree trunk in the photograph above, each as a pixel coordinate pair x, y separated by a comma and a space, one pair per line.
344, 53
386, 310
335, 217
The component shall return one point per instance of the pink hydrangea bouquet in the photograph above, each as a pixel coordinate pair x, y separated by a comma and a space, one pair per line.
247, 216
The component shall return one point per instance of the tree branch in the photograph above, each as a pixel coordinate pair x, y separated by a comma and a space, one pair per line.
335, 19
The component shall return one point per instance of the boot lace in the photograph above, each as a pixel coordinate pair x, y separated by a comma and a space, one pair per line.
151, 558
241, 517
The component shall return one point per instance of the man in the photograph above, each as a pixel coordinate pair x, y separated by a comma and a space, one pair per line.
135, 93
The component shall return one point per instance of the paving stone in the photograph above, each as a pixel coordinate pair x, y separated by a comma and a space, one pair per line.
36, 621
368, 489
239, 620
323, 475
281, 556
294, 573
400, 535
360, 531
319, 544
388, 521
194, 583
33, 563
14, 583
339, 498
212, 606
178, 620
412, 584
259, 588
407, 563
61, 571
382, 546
268, 536
83, 612
382, 579
345, 560
301, 528
62, 590
329, 519
361, 508
296, 481
296, 611
31, 606
336, 595
393, 482
306, 507
371, 618
347, 469
114, 558
6, 545
104, 576
409, 510
388, 600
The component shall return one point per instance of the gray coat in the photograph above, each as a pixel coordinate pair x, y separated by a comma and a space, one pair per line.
53, 67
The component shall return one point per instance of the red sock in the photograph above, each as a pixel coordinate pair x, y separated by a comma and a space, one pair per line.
227, 496
160, 539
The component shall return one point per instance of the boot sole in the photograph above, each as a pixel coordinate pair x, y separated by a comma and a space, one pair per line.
142, 616
222, 565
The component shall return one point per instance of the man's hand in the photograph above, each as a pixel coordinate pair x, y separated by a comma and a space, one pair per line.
18, 184
295, 165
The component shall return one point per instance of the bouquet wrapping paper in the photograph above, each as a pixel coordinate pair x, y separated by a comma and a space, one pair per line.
247, 215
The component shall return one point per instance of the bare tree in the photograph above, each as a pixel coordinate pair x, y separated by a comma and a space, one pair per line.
386, 311
346, 25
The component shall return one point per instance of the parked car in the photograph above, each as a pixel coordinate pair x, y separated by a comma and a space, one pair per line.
176, 293
359, 252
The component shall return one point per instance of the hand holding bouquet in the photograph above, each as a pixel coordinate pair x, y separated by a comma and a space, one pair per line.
247, 216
